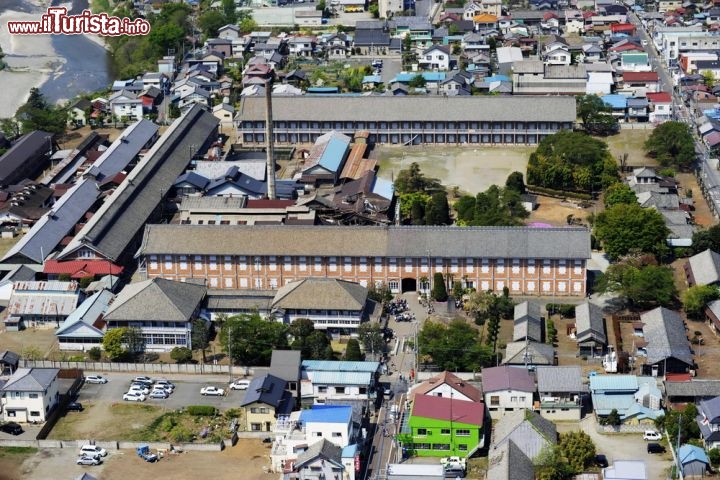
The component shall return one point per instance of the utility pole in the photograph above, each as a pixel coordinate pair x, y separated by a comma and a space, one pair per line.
229, 340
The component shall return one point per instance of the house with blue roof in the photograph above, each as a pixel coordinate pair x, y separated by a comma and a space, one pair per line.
84, 328
369, 82
693, 460
636, 399
324, 380
332, 422
265, 400
618, 104
326, 158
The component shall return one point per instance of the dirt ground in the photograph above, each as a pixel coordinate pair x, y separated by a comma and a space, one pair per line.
631, 142
555, 211
43, 339
246, 460
688, 183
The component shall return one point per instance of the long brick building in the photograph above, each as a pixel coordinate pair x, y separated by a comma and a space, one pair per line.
529, 261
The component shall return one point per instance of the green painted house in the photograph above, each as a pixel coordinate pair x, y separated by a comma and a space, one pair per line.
441, 427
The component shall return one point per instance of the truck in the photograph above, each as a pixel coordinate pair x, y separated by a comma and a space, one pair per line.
143, 452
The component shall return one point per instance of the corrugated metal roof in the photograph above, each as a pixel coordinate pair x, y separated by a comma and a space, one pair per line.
339, 366
334, 154
340, 378
614, 382
327, 414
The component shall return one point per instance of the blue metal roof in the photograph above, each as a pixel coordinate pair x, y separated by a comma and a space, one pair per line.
604, 404
334, 154
615, 101
689, 453
340, 378
327, 414
497, 78
383, 187
372, 79
428, 76
323, 90
624, 383
339, 366
349, 452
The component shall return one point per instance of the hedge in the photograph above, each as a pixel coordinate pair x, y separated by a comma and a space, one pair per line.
558, 193
567, 310
201, 410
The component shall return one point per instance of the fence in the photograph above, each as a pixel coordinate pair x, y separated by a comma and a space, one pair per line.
112, 445
168, 368
621, 428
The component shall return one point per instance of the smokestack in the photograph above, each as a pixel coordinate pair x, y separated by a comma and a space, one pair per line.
270, 162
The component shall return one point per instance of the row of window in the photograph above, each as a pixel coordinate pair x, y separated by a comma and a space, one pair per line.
460, 432
495, 400
340, 390
439, 446
405, 125
415, 138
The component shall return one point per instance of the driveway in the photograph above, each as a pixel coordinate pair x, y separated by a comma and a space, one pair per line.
630, 446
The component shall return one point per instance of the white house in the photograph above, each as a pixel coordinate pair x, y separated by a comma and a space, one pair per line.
224, 112
323, 380
447, 385
83, 329
436, 57
126, 105
30, 394
507, 389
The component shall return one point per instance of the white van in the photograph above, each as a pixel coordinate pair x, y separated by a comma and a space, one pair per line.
92, 451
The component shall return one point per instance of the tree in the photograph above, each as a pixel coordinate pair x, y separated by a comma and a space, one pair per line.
613, 419
453, 347
640, 284
680, 422
181, 354
418, 81
134, 341
352, 351
714, 456
672, 144
596, 115
10, 127
200, 336
371, 337
210, 21
516, 182
439, 292
95, 353
249, 339
482, 305
696, 298
626, 227
706, 239
229, 11
438, 210
411, 180
380, 293
457, 289
318, 346
551, 465
493, 207
38, 114
247, 25
578, 450
708, 78
113, 343
619, 192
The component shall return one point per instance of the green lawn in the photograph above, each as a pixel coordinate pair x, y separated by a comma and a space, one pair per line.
630, 142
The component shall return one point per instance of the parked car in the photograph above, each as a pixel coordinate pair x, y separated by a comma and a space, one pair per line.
454, 472
134, 397
162, 388
655, 448
138, 387
651, 435
165, 383
159, 393
12, 428
240, 385
95, 379
143, 379
75, 407
212, 391
84, 460
93, 450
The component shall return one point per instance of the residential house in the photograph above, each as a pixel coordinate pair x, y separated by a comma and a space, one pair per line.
339, 380
333, 423
507, 389
225, 113
592, 53
27, 157
693, 460
84, 328
30, 394
326, 158
660, 107
335, 305
436, 58
78, 112
625, 470
638, 84
590, 332
708, 420
509, 462
600, 78
440, 427
528, 322
322, 460
335, 45
41, 303
668, 349
529, 354
682, 389
308, 17
617, 104
533, 77
635, 62
301, 46
561, 392
447, 385
164, 311
285, 365
265, 400
230, 31
126, 106
151, 98
703, 268
636, 399
527, 430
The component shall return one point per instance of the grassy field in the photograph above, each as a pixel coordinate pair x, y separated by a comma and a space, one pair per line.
630, 142
107, 422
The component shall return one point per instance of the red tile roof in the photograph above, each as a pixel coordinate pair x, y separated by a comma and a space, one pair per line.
678, 377
439, 408
659, 97
640, 77
81, 268
451, 380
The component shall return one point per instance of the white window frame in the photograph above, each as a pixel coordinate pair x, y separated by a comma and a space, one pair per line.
470, 265
227, 260
153, 262
168, 262
197, 262
302, 264
287, 263
228, 282
183, 262
392, 264
347, 264
332, 264
272, 263
363, 264
317, 264
212, 259
242, 262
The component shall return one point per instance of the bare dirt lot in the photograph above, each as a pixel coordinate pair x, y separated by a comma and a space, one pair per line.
246, 460
42, 340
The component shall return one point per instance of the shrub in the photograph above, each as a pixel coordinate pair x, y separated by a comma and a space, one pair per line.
167, 424
180, 434
565, 309
77, 358
95, 353
201, 410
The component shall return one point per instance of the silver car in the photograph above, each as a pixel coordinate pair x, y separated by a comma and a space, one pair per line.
162, 394
95, 379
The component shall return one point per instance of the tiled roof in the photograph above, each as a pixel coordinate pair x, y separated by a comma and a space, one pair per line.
705, 267
24, 150
157, 299
507, 378
83, 321
528, 429
31, 380
447, 409
451, 380
461, 242
640, 76
321, 449
509, 462
664, 331
531, 353
81, 268
559, 379
693, 388
321, 294
589, 323
285, 364
269, 390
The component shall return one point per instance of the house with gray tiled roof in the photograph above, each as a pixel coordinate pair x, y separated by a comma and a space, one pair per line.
529, 354
690, 391
590, 332
528, 322
285, 364
668, 348
509, 462
330, 303
527, 429
708, 420
323, 459
507, 389
30, 394
560, 392
703, 268
165, 309
265, 400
